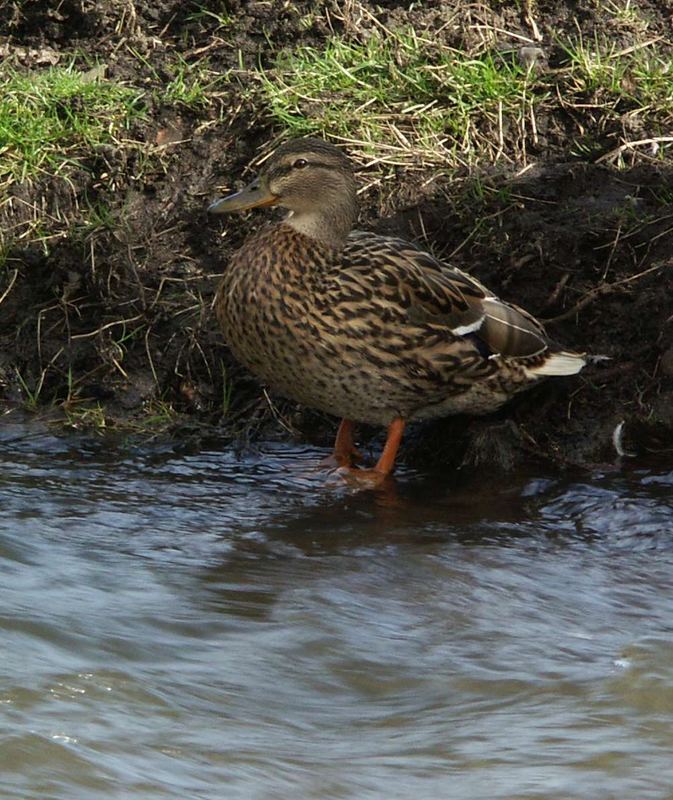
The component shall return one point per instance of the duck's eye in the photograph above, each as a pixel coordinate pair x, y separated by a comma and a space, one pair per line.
300, 163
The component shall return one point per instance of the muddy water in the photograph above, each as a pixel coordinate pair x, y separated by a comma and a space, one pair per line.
181, 623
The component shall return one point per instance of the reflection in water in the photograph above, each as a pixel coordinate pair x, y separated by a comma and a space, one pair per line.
181, 623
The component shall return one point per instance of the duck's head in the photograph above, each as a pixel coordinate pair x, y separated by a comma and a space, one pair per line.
312, 179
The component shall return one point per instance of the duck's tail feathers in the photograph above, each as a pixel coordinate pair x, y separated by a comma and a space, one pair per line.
561, 363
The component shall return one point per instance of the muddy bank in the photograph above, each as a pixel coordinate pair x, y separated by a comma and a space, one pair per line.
109, 269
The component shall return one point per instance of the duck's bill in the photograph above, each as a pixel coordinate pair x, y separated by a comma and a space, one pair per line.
253, 196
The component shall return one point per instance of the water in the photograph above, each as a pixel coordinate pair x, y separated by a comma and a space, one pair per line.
177, 622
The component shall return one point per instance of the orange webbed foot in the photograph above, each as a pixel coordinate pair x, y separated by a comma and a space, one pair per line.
376, 476
363, 478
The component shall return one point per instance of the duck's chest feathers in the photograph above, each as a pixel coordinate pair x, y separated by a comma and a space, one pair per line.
267, 297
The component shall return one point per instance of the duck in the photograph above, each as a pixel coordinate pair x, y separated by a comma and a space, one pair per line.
365, 327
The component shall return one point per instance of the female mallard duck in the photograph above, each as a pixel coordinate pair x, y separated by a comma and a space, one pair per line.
366, 327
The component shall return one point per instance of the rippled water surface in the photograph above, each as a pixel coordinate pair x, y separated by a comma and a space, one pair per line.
183, 623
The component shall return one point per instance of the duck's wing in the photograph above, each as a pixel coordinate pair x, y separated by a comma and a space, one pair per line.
433, 292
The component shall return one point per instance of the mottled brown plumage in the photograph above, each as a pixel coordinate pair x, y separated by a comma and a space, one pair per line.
366, 327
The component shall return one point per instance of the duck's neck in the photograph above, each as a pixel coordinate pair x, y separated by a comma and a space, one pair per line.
328, 226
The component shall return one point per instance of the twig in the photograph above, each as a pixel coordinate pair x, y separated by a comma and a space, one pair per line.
277, 415
631, 146
105, 327
481, 26
528, 17
476, 228
604, 288
634, 47
10, 287
611, 254
554, 296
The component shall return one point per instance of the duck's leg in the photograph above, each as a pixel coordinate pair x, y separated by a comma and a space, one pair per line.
386, 463
344, 445
345, 452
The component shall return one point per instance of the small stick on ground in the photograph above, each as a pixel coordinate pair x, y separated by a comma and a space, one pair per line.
602, 289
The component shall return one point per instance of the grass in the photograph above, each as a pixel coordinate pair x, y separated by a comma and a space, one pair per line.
626, 90
403, 99
57, 121
51, 121
182, 88
82, 416
627, 15
186, 84
221, 20
398, 95
31, 392
226, 390
613, 75
192, 85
